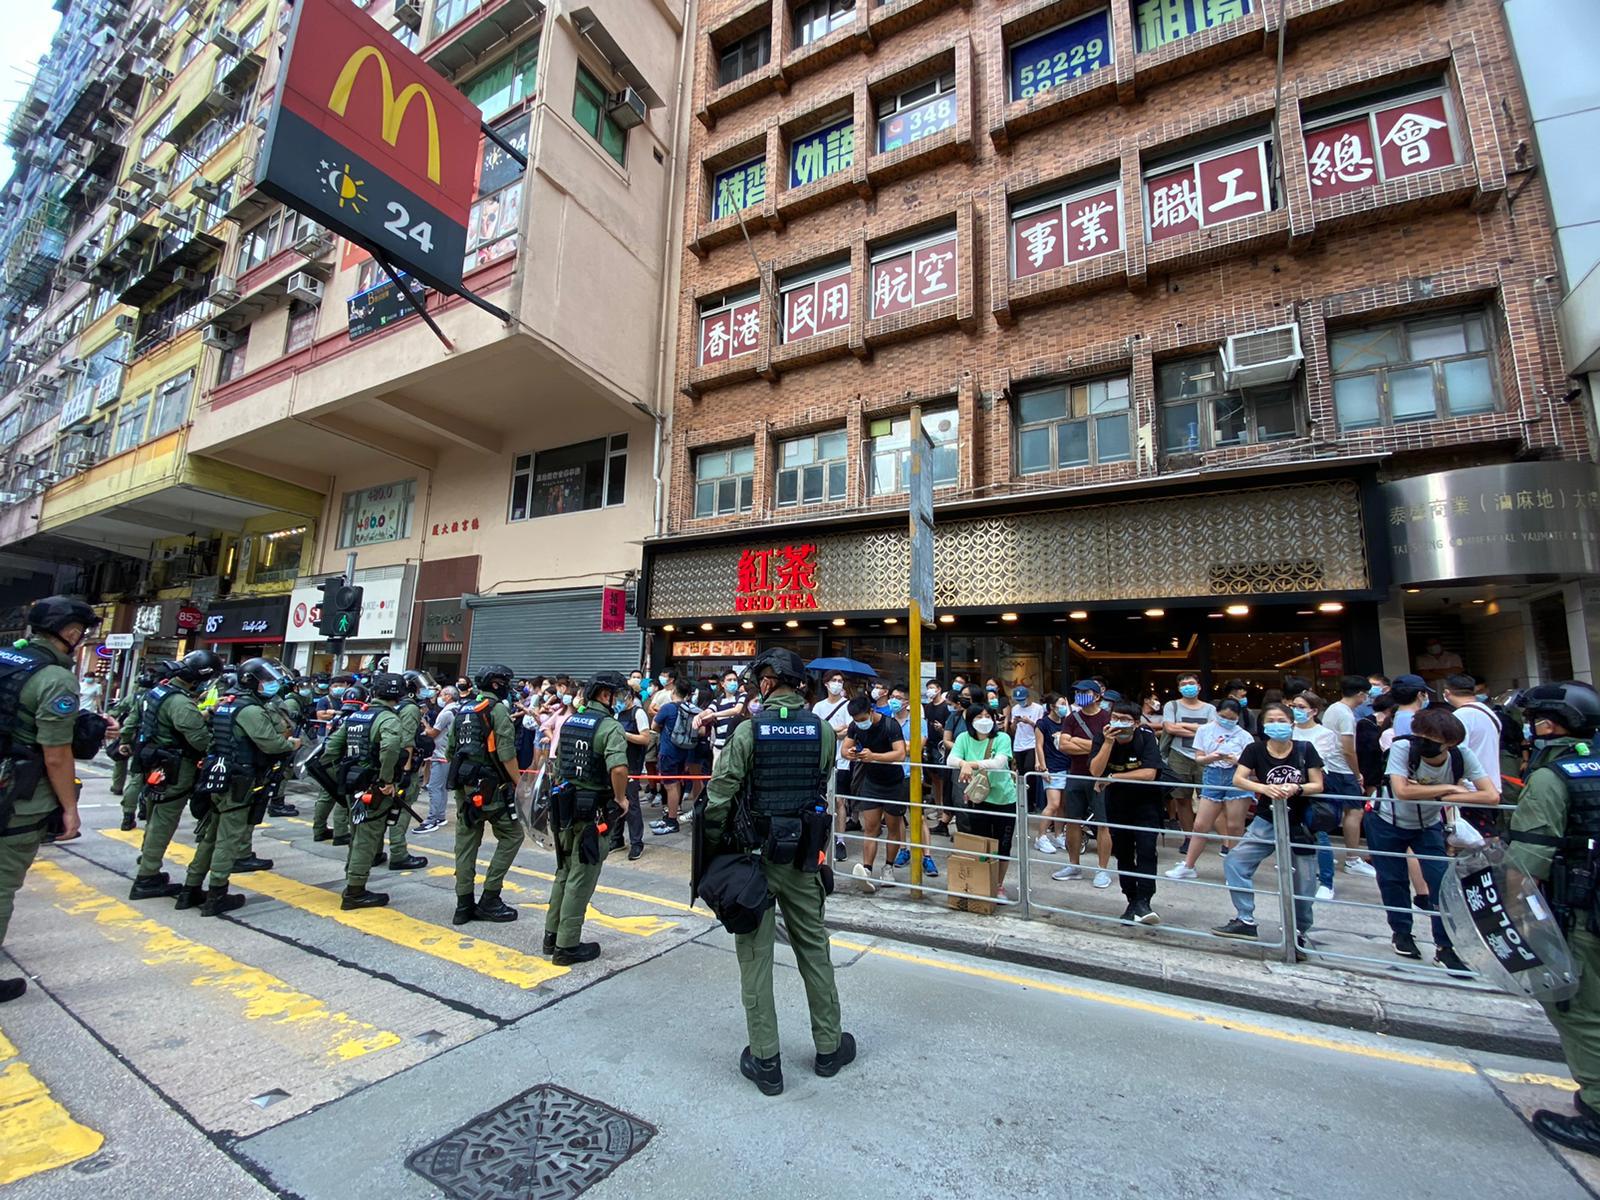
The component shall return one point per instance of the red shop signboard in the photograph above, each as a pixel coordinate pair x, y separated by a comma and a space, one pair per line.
779, 579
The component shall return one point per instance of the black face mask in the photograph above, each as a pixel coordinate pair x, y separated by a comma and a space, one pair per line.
1429, 747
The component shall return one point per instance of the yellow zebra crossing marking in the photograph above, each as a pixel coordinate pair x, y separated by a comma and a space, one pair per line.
643, 926
486, 958
36, 1132
265, 996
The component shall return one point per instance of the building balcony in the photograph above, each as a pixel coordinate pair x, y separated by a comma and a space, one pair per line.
463, 31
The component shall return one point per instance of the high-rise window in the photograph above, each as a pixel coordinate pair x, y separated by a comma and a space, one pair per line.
589, 100
1425, 368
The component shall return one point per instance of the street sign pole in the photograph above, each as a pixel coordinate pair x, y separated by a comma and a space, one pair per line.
919, 610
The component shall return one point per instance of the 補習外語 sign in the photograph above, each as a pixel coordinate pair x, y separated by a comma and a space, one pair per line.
371, 141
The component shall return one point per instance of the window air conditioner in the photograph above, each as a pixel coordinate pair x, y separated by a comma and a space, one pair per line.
72, 366
1264, 356
218, 337
223, 95
224, 290
303, 285
183, 276
125, 323
173, 215
627, 108
204, 189
159, 78
225, 39
314, 244
409, 12
145, 176
10, 497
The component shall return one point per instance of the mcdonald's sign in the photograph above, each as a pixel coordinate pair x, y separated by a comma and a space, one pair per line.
372, 142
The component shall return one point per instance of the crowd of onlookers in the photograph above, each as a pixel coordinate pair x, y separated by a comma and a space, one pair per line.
1380, 781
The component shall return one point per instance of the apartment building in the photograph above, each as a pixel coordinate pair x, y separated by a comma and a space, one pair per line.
1231, 324
283, 402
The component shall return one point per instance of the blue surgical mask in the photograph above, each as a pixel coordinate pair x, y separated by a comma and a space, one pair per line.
1084, 699
1063, 708
1119, 726
336, 693
895, 705
864, 723
271, 688
1482, 697
994, 701
566, 697
1278, 731
662, 680
1302, 716
1425, 702
1376, 690
619, 707
1189, 691
731, 688
1228, 723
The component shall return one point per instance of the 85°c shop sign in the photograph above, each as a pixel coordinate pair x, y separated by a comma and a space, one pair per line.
372, 142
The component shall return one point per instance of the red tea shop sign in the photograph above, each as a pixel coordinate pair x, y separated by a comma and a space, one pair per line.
780, 579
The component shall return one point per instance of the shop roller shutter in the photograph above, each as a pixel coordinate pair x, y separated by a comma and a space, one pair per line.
549, 633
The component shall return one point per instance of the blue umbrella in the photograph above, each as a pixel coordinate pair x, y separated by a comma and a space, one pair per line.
847, 665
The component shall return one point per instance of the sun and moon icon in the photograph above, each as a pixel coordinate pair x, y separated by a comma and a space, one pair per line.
343, 185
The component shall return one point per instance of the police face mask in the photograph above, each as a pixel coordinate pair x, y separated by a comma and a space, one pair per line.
428, 693
271, 688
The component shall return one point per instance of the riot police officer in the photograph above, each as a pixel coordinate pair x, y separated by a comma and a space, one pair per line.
590, 801
125, 712
39, 717
768, 795
367, 749
419, 685
482, 752
1555, 837
245, 740
292, 704
352, 699
172, 739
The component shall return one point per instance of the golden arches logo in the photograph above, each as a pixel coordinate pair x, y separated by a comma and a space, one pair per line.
394, 107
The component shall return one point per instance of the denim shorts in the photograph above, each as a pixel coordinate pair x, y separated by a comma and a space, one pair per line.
1056, 781
1219, 787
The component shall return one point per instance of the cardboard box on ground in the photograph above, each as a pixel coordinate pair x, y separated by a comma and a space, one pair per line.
974, 874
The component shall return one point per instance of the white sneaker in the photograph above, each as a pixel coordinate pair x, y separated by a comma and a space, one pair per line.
1061, 841
886, 874
1324, 892
1182, 871
1070, 871
1360, 866
1044, 845
1102, 879
865, 876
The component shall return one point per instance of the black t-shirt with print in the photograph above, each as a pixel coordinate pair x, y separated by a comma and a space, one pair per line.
1140, 752
879, 781
1268, 768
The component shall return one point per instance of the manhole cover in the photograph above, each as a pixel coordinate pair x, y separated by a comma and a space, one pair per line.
546, 1144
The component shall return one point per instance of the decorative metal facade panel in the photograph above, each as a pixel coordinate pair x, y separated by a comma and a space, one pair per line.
1264, 541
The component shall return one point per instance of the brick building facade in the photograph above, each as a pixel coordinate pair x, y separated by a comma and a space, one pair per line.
1128, 192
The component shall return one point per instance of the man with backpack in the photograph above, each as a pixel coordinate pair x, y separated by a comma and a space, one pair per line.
680, 745
1483, 726
1428, 769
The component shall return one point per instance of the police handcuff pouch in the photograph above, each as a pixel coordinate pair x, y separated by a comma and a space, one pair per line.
784, 835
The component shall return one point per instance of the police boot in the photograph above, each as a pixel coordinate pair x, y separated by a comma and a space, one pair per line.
127, 822
153, 887
492, 908
410, 862
10, 989
282, 810
219, 901
466, 910
1576, 1131
549, 945
251, 863
361, 898
581, 953
827, 1065
191, 897
342, 839
765, 1073
321, 834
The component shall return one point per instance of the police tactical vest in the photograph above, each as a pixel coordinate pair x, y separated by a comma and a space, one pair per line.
149, 715
786, 775
472, 730
1581, 775
228, 741
359, 744
576, 756
17, 666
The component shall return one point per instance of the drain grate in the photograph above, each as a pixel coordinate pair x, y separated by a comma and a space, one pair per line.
546, 1144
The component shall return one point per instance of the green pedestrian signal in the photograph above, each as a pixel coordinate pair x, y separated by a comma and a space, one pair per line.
340, 614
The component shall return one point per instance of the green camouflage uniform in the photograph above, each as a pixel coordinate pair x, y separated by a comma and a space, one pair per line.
387, 748
178, 725
499, 812
575, 880
224, 834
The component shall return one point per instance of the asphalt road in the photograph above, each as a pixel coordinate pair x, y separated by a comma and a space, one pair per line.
297, 1050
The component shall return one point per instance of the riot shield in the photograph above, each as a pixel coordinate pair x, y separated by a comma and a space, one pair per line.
1504, 929
529, 787
309, 749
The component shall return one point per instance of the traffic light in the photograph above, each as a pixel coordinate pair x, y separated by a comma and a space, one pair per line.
340, 615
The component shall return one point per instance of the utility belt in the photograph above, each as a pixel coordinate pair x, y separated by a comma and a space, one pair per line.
20, 774
366, 803
353, 778
802, 841
1574, 892
158, 765
594, 814
483, 789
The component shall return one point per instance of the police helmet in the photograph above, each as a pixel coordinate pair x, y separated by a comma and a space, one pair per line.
55, 613
785, 664
419, 681
495, 679
355, 694
230, 679
147, 676
198, 666
386, 685
1574, 706
258, 675
607, 681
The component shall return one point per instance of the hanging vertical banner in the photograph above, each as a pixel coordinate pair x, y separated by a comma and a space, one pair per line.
372, 142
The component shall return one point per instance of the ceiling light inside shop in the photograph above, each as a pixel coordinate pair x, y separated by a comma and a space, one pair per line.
1330, 606
791, 623
1078, 614
838, 621
891, 620
1008, 616
747, 624
1480, 602
706, 627
1412, 591
1155, 612
947, 619
668, 628
1238, 610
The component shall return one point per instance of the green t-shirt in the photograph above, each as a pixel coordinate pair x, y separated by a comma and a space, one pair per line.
1002, 784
